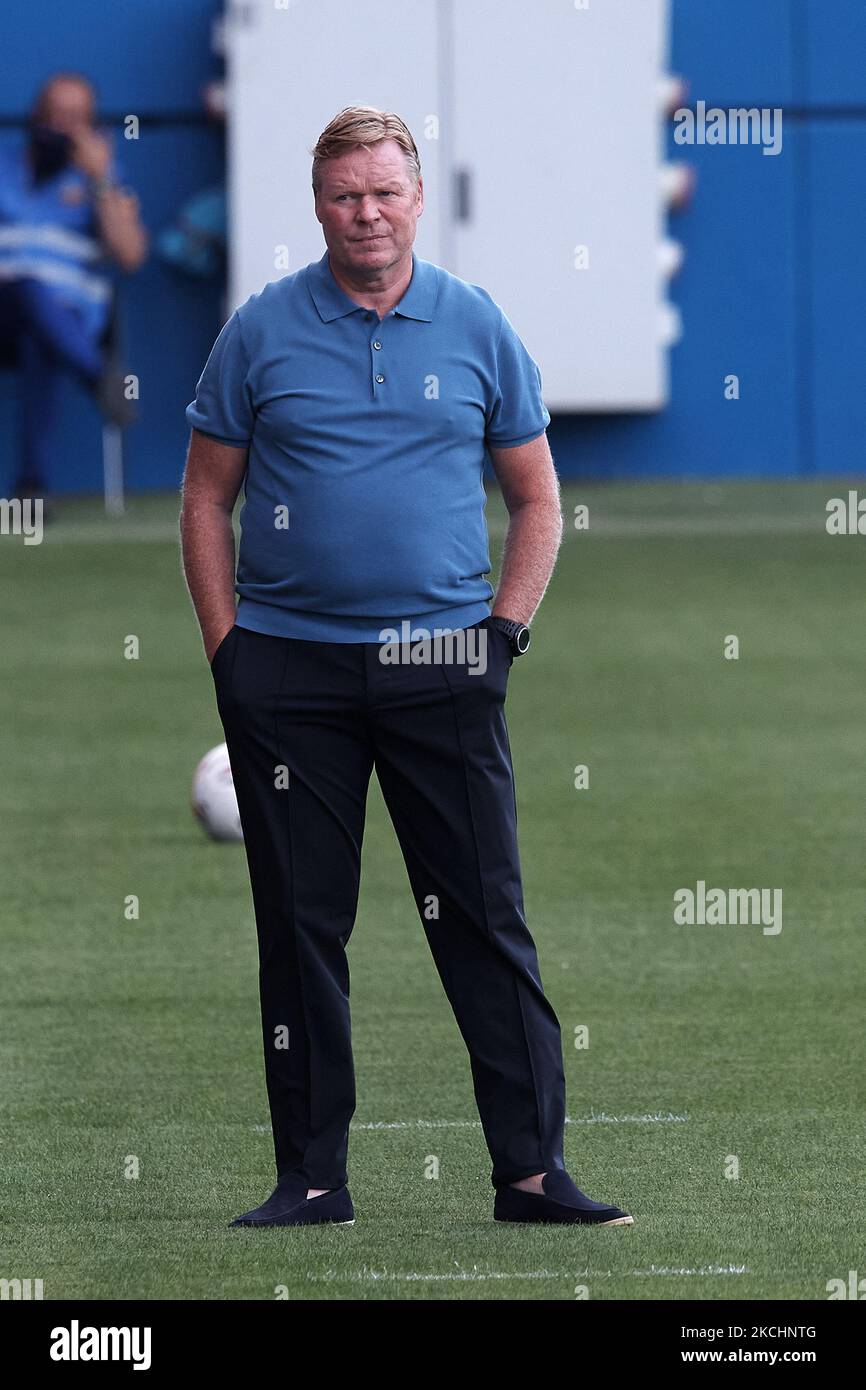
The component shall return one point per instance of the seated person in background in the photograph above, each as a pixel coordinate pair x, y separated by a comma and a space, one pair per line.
62, 214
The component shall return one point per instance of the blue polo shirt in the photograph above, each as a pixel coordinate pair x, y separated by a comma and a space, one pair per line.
363, 495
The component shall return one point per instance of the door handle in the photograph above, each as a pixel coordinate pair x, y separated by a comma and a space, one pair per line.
462, 195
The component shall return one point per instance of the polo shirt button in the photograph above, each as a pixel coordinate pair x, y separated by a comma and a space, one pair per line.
380, 378
377, 345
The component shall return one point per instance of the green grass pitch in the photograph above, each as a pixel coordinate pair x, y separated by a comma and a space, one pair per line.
137, 1041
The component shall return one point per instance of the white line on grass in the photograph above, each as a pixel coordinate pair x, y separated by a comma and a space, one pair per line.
95, 533
658, 1118
460, 1276
375, 1276
706, 1270
618, 528
608, 528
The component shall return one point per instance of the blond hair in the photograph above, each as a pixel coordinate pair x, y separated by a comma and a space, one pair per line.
363, 126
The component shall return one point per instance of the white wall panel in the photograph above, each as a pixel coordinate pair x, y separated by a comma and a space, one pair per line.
545, 137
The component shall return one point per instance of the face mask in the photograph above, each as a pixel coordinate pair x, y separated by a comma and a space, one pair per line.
49, 152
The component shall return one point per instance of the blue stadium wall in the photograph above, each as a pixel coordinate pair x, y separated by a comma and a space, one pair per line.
152, 60
772, 289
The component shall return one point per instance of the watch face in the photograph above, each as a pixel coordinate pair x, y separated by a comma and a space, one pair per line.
516, 634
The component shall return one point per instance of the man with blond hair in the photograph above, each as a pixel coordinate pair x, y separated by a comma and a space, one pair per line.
354, 399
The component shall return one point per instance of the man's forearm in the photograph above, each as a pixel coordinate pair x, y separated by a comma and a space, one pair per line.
208, 548
120, 231
531, 546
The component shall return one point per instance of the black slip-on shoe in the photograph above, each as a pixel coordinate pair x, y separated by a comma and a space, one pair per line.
561, 1202
288, 1206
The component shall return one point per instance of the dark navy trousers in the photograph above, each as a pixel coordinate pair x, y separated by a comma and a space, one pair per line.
306, 723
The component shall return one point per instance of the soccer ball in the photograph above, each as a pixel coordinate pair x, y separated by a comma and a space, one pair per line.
213, 798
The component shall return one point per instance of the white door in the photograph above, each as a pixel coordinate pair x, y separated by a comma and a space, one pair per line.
556, 153
537, 126
290, 70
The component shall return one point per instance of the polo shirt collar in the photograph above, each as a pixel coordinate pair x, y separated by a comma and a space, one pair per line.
332, 302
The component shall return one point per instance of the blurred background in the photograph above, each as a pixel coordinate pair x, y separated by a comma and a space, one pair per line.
764, 253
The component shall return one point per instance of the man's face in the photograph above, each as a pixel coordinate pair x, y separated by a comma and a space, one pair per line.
67, 107
368, 206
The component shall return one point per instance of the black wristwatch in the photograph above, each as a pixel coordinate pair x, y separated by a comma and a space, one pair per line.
517, 634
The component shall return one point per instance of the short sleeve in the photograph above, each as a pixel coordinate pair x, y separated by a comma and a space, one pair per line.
517, 412
223, 407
